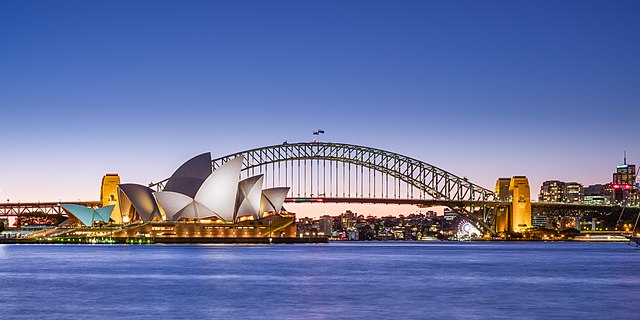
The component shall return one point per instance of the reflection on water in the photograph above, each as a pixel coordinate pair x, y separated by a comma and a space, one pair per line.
337, 280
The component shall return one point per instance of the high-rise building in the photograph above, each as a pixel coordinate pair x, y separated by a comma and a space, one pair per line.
624, 183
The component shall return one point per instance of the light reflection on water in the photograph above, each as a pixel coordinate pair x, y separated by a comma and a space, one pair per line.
338, 280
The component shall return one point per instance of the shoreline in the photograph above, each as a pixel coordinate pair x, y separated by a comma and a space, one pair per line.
149, 241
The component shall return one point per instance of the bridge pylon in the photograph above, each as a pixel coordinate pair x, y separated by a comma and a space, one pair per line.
516, 216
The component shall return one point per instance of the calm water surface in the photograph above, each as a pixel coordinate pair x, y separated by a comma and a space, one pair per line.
378, 280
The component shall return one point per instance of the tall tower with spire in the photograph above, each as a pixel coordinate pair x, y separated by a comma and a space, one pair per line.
624, 183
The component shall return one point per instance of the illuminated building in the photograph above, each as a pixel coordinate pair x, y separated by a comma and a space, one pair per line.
598, 194
196, 202
540, 221
348, 220
552, 191
196, 192
573, 192
560, 191
624, 183
326, 224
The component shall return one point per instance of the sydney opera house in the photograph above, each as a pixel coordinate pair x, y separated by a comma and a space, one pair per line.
197, 204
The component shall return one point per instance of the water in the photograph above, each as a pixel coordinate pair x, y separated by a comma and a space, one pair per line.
375, 280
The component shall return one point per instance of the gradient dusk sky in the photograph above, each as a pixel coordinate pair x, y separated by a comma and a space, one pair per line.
483, 89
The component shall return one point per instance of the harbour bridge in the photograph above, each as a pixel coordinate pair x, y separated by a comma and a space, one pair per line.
323, 172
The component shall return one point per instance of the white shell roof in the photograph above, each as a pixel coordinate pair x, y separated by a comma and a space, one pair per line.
218, 192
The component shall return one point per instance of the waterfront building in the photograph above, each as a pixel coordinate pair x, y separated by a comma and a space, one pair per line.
196, 201
348, 219
325, 224
195, 192
83, 216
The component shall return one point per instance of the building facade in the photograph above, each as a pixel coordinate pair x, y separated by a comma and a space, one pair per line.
560, 191
624, 184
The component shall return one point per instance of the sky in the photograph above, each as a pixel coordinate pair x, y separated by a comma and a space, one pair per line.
482, 89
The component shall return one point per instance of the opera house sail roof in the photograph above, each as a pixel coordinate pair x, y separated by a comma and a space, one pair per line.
137, 203
218, 192
248, 197
272, 199
87, 216
189, 177
196, 191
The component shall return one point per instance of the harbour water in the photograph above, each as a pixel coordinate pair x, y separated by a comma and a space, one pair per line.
350, 280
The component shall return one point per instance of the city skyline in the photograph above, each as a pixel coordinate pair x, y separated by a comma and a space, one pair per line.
481, 90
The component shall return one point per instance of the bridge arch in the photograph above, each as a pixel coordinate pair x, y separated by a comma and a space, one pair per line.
363, 171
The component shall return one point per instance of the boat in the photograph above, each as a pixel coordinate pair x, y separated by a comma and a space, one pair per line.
601, 238
428, 238
634, 239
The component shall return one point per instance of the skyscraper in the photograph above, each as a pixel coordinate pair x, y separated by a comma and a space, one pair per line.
624, 183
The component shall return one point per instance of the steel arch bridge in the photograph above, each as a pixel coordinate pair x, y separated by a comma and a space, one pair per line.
350, 173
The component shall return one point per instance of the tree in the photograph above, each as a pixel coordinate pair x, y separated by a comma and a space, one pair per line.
570, 233
366, 233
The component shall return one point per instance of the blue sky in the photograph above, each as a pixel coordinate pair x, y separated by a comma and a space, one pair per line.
484, 89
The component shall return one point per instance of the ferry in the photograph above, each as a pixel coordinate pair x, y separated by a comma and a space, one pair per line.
601, 238
429, 238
